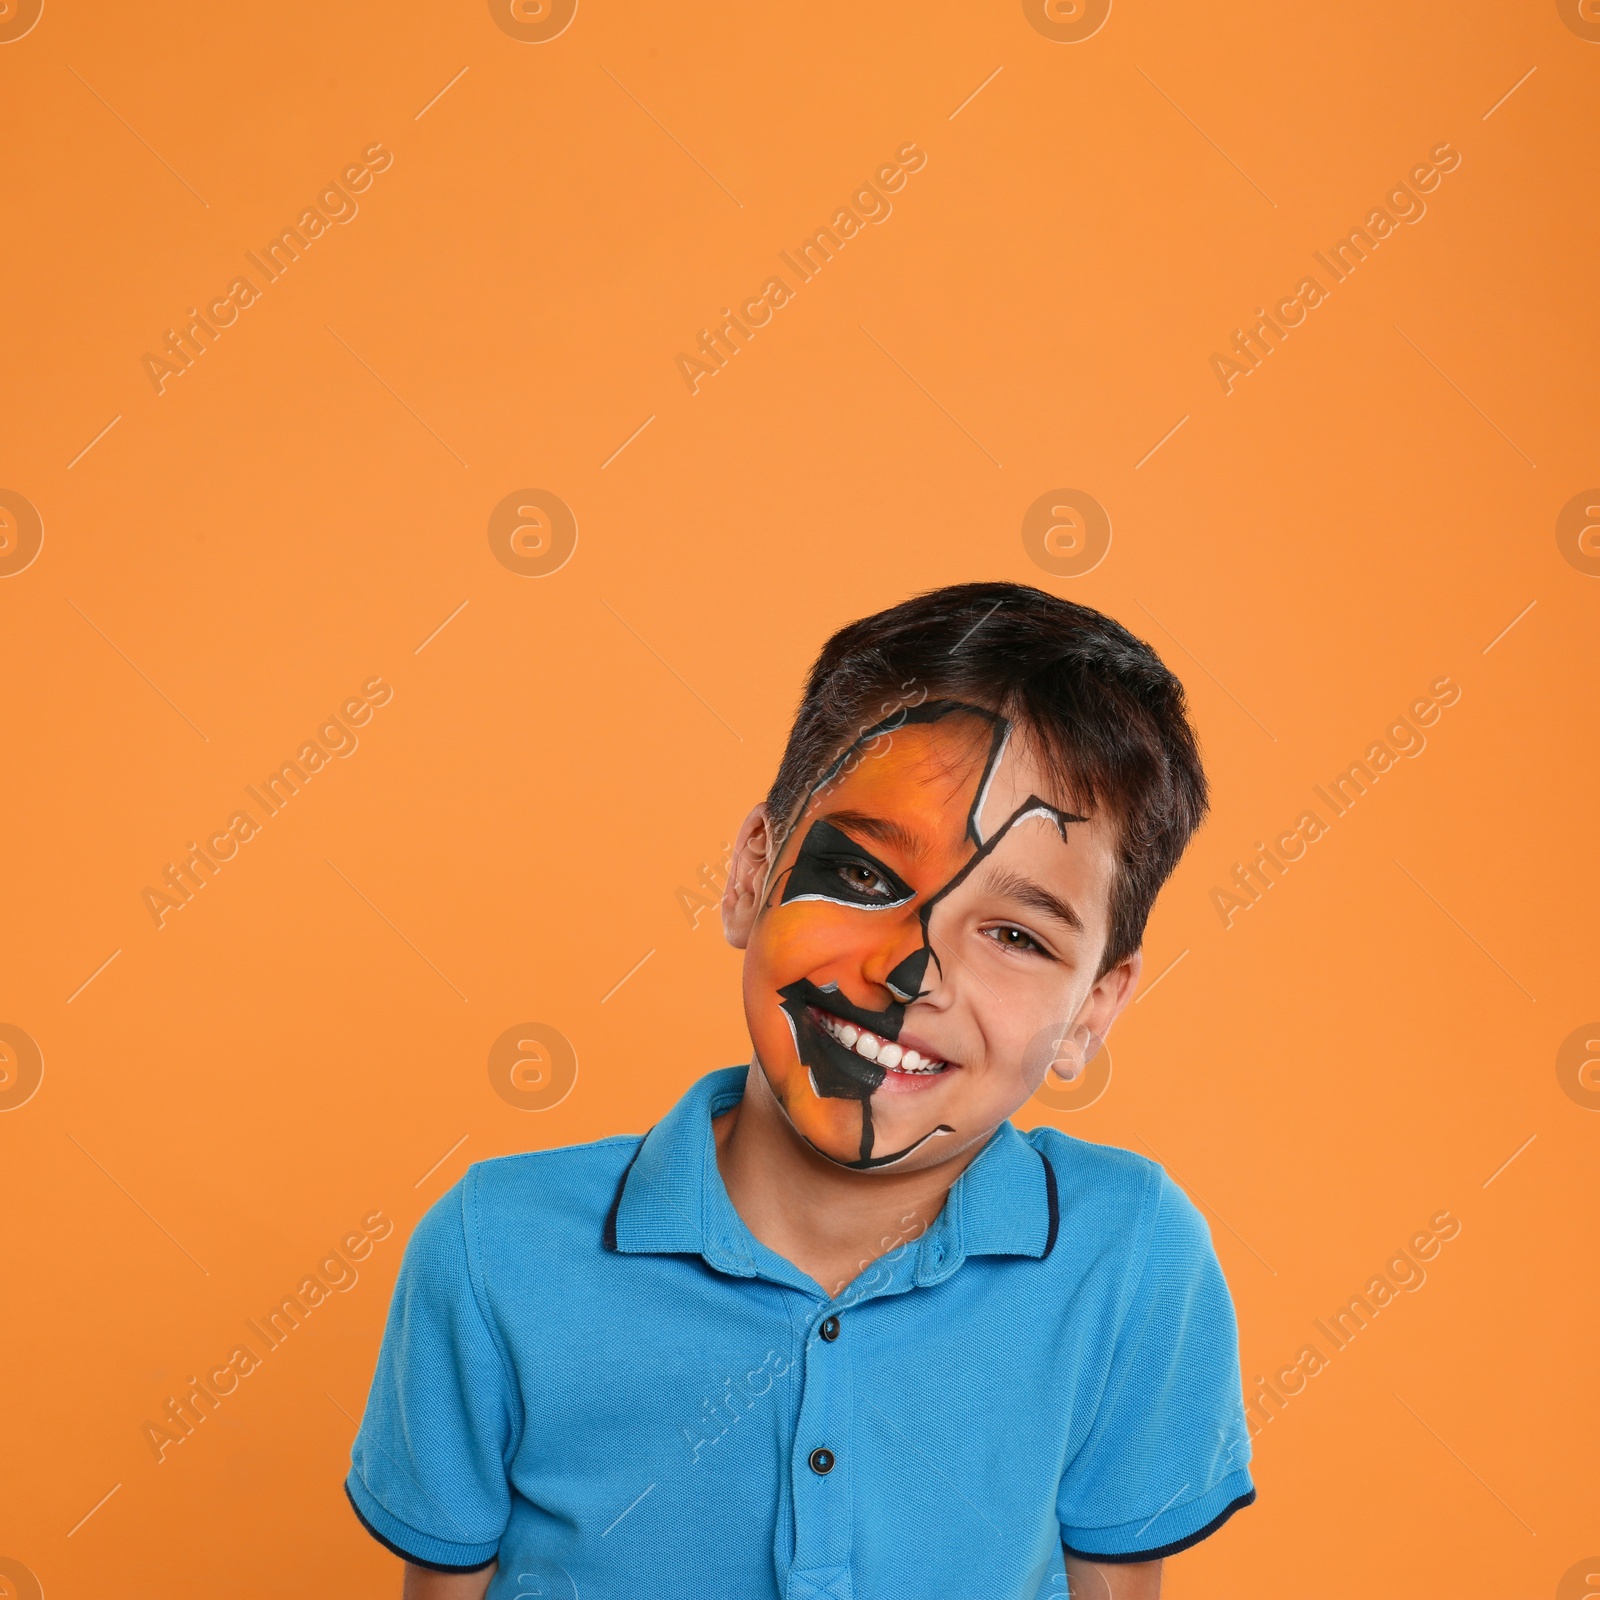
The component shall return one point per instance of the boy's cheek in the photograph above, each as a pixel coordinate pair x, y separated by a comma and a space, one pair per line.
808, 939
768, 1023
1036, 1055
1014, 1070
833, 1126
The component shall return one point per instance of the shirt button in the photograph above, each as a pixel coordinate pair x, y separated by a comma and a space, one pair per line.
821, 1462
830, 1329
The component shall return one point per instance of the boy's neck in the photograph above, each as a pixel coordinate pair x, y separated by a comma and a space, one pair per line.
829, 1222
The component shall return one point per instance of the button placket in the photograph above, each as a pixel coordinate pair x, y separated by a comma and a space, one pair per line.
822, 1468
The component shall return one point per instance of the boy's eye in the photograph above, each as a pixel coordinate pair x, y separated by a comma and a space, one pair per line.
864, 879
832, 866
1015, 939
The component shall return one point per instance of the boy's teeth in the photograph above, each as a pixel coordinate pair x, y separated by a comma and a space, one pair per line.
884, 1051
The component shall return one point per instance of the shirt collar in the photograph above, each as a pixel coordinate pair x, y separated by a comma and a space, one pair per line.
672, 1199
666, 1204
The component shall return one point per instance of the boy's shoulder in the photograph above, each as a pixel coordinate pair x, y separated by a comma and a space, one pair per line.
1084, 1164
594, 1152
1116, 1189
535, 1193
532, 1177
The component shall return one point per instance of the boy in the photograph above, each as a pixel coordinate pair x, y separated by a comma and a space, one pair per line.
834, 1329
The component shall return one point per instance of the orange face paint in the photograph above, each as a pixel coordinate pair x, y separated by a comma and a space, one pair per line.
848, 935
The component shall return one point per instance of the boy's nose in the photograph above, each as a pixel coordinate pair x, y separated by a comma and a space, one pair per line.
905, 981
900, 961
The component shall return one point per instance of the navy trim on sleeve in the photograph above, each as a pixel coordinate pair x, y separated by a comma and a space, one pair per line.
1053, 1204
1172, 1549
406, 1555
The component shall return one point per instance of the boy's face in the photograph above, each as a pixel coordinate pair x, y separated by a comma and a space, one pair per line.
930, 930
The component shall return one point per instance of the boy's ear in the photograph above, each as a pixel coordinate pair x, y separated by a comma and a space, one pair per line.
1106, 1002
1112, 992
747, 877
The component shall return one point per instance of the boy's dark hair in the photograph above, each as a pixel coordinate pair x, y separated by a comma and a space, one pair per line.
1110, 718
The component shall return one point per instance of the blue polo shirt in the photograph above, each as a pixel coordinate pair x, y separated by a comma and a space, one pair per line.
594, 1373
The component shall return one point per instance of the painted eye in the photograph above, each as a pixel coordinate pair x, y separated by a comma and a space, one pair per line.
864, 880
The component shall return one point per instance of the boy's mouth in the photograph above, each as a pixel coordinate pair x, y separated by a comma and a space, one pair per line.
840, 1071
887, 1053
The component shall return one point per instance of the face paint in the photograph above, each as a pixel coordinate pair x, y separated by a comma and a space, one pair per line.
847, 941
822, 871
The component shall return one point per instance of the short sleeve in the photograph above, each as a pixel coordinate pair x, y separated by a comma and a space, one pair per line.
428, 1475
1164, 1463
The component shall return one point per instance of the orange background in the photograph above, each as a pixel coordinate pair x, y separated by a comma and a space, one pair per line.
308, 1039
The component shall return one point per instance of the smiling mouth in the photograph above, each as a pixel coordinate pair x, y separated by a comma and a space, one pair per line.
873, 1047
840, 1071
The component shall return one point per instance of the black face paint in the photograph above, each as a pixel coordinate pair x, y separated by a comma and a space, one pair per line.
822, 868
905, 982
837, 1072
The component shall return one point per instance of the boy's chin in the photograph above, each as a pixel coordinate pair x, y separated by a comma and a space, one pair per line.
903, 1140
832, 1128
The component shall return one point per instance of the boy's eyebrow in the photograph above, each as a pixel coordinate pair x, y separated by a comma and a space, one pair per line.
885, 830
1013, 885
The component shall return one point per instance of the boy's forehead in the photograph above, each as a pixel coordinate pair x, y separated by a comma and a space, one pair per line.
958, 778
925, 772
1016, 777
